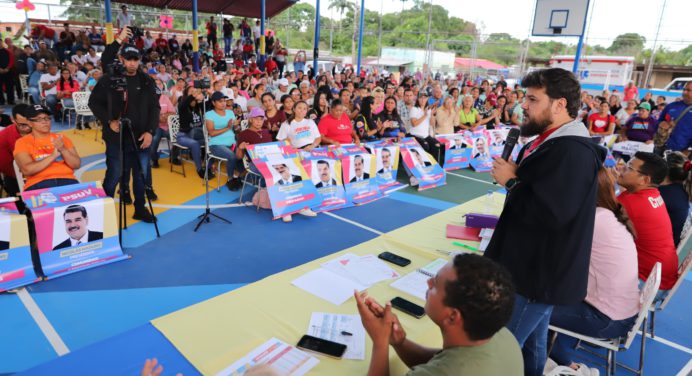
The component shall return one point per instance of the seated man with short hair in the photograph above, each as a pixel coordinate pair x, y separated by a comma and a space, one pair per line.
46, 159
470, 299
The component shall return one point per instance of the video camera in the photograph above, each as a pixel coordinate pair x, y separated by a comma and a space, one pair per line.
116, 72
204, 83
136, 32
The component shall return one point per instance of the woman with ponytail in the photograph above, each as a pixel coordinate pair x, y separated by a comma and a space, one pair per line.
675, 191
612, 298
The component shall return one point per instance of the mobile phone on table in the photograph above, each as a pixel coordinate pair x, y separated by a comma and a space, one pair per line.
394, 259
408, 307
322, 346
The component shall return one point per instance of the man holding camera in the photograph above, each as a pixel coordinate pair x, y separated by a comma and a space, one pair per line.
126, 102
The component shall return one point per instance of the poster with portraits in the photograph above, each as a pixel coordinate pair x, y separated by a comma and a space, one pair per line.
360, 180
346, 150
386, 165
496, 141
16, 266
325, 172
481, 160
457, 150
419, 164
271, 150
76, 228
288, 184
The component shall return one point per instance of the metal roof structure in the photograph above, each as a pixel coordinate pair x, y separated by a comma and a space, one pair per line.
240, 8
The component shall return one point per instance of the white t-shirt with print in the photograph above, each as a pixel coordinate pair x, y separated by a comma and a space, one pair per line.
300, 133
47, 78
423, 129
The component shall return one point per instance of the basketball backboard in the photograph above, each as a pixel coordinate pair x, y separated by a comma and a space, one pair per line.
559, 18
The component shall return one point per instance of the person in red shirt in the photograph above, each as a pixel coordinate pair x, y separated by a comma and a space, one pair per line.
161, 45
601, 123
336, 128
8, 137
647, 210
66, 86
631, 92
270, 65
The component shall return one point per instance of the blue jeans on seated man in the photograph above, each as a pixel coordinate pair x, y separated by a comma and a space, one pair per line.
187, 140
134, 162
226, 153
584, 319
35, 94
52, 103
529, 324
156, 140
51, 183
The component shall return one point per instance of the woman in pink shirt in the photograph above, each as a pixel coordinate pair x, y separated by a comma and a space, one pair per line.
612, 298
631, 92
167, 108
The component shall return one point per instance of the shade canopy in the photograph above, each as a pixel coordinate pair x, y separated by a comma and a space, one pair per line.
240, 8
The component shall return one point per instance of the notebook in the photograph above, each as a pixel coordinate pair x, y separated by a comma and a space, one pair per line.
416, 282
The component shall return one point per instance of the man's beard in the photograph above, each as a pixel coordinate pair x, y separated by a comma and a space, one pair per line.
534, 127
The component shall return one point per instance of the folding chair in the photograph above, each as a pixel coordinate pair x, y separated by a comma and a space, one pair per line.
211, 156
24, 85
660, 305
252, 179
615, 345
19, 175
66, 110
173, 129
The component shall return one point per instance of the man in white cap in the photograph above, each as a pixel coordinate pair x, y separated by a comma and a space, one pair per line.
282, 88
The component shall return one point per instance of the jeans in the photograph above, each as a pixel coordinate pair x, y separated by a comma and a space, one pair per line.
193, 145
584, 319
227, 44
52, 103
529, 324
134, 162
224, 152
158, 135
35, 94
51, 183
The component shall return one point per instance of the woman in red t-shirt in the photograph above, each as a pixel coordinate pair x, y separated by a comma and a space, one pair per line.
336, 128
66, 86
602, 123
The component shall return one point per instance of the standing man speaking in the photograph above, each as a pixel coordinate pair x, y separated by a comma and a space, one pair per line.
545, 230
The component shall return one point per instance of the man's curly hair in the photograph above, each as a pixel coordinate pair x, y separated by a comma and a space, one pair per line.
484, 294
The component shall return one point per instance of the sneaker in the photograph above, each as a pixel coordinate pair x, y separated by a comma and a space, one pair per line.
126, 198
144, 215
152, 195
287, 218
583, 370
414, 181
154, 163
233, 184
200, 173
308, 213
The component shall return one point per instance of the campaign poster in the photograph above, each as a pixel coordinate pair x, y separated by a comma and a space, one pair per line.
16, 267
325, 172
481, 160
348, 150
421, 165
632, 147
496, 139
457, 151
271, 150
360, 178
75, 228
387, 166
289, 186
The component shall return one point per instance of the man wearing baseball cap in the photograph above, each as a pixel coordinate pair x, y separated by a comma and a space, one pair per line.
282, 88
46, 159
640, 127
132, 109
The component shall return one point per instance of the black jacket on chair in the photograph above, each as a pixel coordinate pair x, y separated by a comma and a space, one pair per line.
545, 230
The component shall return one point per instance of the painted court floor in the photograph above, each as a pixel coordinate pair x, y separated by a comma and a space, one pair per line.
100, 317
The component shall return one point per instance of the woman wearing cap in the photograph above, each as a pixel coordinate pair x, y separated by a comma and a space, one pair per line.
641, 127
219, 126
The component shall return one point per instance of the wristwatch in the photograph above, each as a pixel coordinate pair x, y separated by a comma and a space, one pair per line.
511, 183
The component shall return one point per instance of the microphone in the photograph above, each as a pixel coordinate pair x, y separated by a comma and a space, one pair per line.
510, 142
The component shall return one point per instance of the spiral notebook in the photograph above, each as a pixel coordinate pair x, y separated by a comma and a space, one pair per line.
416, 282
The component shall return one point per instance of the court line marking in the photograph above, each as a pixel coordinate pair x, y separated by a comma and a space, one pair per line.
87, 167
364, 227
668, 343
686, 370
470, 178
42, 321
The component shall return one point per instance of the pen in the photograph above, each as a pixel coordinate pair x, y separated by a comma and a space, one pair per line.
345, 333
459, 244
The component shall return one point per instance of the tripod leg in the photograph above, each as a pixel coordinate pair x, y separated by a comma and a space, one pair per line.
140, 169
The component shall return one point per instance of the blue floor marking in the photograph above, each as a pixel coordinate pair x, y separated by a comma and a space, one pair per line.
385, 215
22, 343
421, 200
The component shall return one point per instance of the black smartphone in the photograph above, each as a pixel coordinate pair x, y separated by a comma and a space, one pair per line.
394, 259
407, 307
322, 346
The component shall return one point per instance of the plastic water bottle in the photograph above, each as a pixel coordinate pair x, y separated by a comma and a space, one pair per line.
489, 203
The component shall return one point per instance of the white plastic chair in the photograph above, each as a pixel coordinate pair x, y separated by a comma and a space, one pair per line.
211, 156
20, 177
173, 129
81, 108
615, 345
659, 306
252, 179
24, 85
685, 233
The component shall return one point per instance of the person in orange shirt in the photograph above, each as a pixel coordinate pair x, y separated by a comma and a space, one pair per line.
46, 159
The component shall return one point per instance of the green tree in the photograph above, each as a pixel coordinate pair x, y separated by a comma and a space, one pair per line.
629, 43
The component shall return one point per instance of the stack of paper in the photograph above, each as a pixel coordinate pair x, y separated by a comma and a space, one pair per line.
345, 329
336, 280
486, 234
282, 357
416, 282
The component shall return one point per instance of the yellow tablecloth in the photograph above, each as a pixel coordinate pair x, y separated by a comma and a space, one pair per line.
215, 333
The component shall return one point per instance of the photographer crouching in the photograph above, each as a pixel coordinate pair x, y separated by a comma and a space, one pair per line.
125, 100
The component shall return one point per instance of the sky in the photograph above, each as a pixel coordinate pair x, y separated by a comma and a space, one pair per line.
608, 18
